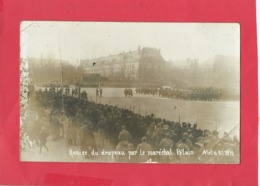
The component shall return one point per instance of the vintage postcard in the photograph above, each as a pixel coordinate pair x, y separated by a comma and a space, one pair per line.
130, 92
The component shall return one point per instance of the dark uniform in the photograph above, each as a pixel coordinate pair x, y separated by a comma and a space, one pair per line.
144, 147
124, 135
43, 139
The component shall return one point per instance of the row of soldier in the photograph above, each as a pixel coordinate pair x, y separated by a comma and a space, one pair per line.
145, 90
53, 91
128, 92
203, 94
106, 123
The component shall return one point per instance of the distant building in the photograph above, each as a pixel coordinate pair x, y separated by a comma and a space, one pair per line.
219, 71
183, 64
143, 64
226, 73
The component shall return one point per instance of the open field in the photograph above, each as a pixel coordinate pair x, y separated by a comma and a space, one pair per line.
223, 116
218, 115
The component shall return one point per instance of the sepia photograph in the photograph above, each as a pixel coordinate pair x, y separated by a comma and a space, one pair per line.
130, 92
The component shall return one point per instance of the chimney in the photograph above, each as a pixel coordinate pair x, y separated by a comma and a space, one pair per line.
139, 50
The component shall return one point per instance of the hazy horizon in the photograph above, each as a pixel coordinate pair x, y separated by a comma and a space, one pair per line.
75, 41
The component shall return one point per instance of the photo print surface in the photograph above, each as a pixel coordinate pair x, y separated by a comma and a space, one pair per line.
130, 92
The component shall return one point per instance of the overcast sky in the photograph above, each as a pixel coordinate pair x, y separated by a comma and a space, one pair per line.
86, 40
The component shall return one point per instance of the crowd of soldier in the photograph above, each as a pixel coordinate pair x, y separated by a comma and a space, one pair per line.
146, 90
203, 94
76, 92
128, 92
93, 126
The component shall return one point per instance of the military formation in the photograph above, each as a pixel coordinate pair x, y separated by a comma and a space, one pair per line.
203, 94
196, 94
145, 90
128, 92
93, 126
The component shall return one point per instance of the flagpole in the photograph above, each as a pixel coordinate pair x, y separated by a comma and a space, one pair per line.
61, 79
179, 116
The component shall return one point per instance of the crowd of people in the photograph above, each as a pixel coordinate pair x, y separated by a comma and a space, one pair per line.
128, 92
203, 94
146, 90
90, 125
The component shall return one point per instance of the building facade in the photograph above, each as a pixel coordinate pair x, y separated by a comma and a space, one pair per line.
143, 64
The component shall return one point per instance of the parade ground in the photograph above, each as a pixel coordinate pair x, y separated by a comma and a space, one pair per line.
222, 116
213, 115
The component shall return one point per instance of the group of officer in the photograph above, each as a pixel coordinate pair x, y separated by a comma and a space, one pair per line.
99, 92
